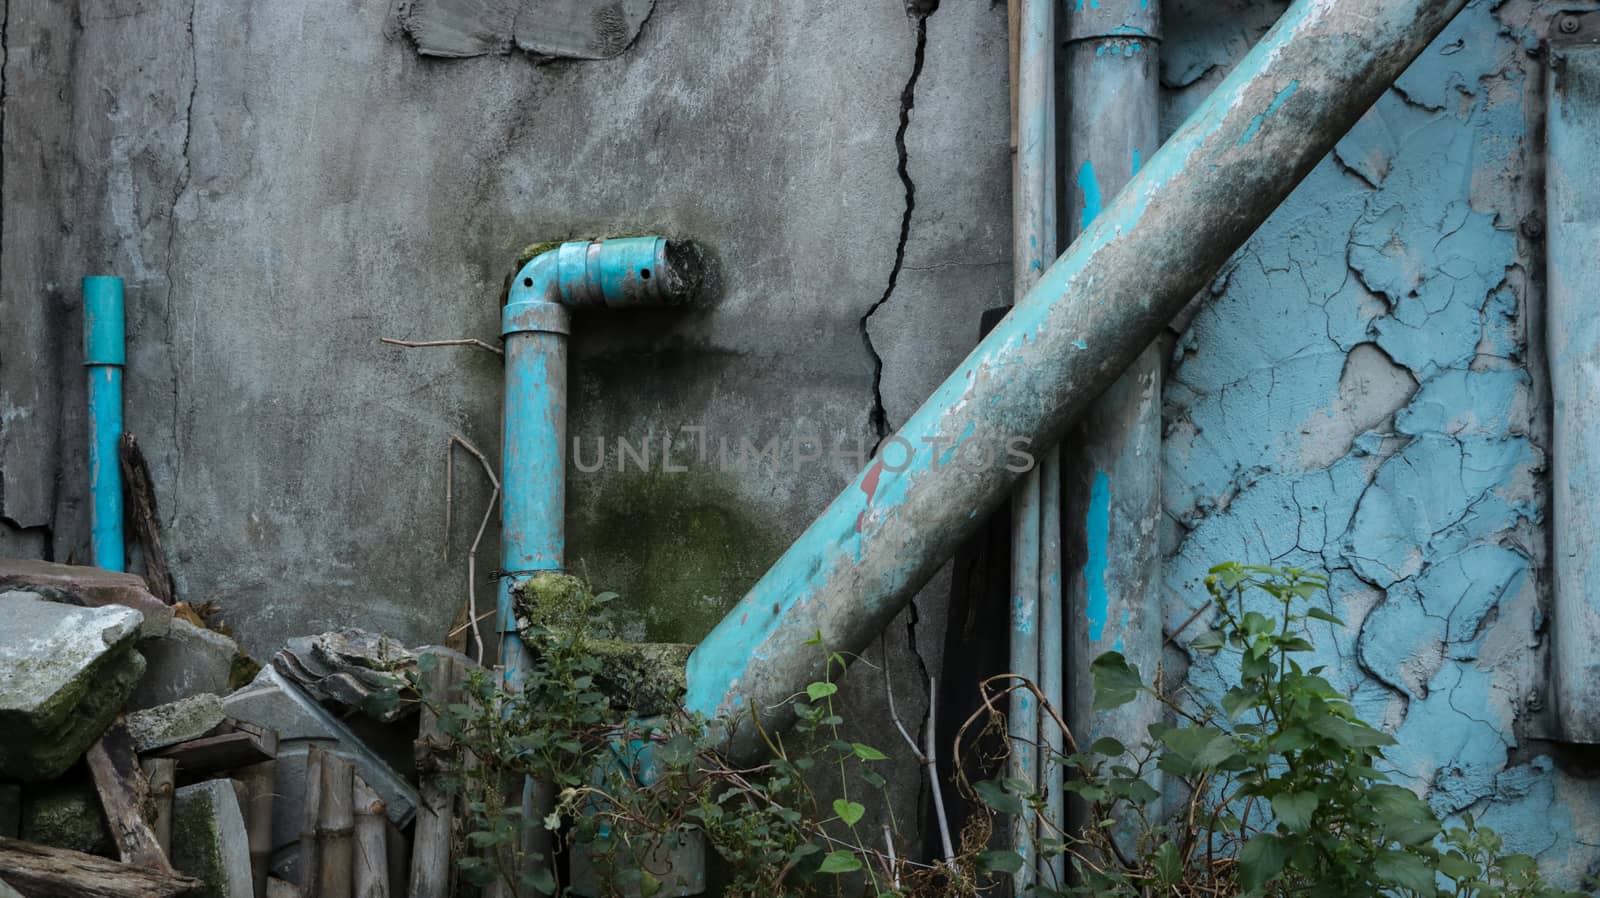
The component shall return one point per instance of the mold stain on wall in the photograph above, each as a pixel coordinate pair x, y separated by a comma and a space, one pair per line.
1357, 396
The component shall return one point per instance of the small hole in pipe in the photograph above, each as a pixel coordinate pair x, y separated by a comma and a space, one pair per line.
527, 282
644, 273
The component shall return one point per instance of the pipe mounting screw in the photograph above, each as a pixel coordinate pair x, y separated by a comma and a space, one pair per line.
1569, 25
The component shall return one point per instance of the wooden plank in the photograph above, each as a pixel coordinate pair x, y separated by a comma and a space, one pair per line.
239, 745
142, 508
42, 872
258, 781
123, 790
160, 774
310, 847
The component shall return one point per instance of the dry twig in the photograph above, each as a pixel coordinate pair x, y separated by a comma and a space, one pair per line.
421, 344
473, 617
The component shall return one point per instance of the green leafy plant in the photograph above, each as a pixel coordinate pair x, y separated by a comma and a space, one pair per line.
622, 785
1284, 795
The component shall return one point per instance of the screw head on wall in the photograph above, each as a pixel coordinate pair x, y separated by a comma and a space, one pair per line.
1569, 25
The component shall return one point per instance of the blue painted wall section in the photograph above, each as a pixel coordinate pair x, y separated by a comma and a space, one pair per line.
1357, 395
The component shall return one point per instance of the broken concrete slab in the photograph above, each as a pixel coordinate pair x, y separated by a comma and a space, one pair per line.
179, 721
568, 29
209, 841
188, 660
65, 672
347, 668
91, 587
272, 701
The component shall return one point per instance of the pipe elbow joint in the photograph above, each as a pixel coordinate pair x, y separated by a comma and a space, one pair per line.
625, 272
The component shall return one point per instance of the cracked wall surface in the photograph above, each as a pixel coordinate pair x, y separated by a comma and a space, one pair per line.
281, 184
1360, 393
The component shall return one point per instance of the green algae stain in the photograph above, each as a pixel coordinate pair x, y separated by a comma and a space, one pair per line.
679, 548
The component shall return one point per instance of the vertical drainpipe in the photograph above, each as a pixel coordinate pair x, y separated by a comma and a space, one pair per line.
626, 272
1572, 344
1112, 465
1033, 238
104, 351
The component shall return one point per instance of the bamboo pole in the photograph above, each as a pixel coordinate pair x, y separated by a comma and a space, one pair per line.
310, 844
336, 827
371, 874
258, 782
162, 774
430, 847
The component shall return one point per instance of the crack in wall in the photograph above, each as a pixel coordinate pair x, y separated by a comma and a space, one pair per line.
878, 416
180, 188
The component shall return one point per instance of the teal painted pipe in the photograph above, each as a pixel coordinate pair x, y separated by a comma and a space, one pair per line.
104, 353
1572, 342
620, 273
1162, 238
1033, 243
534, 325
1111, 464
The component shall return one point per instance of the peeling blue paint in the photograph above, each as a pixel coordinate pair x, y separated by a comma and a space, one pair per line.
1261, 117
1098, 534
1430, 523
1090, 186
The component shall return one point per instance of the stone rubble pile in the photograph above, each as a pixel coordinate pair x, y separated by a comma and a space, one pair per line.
143, 754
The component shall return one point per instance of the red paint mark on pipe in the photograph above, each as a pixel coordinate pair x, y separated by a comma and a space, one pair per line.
869, 485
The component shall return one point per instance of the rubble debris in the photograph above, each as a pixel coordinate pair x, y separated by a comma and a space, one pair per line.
370, 866
347, 669
209, 841
90, 587
40, 871
431, 843
123, 790
69, 671
257, 784
336, 829
190, 718
274, 702
277, 888
10, 810
570, 29
189, 659
146, 522
66, 814
161, 775
646, 678
309, 851
234, 745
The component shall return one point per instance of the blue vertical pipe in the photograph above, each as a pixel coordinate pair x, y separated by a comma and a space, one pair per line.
104, 352
1572, 342
1112, 458
1033, 217
534, 326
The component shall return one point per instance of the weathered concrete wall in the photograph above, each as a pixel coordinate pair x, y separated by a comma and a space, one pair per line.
1362, 394
283, 183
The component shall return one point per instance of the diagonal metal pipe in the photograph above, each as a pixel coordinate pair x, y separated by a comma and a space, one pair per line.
1163, 237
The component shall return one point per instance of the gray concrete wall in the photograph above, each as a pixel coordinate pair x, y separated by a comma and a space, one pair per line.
282, 183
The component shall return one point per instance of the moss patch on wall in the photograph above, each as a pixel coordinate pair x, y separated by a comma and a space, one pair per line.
680, 549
